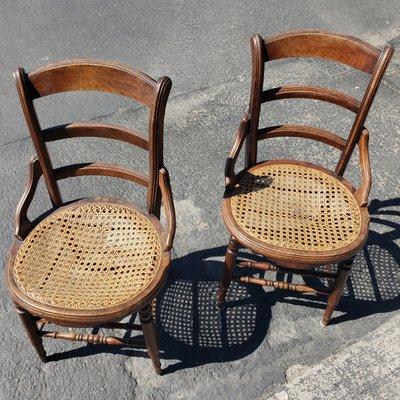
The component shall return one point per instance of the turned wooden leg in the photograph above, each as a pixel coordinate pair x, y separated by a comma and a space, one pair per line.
230, 261
150, 335
32, 331
337, 290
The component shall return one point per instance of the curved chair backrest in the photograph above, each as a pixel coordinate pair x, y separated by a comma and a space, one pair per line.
334, 47
88, 75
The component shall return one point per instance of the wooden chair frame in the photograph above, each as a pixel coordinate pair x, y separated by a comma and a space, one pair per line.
334, 47
78, 75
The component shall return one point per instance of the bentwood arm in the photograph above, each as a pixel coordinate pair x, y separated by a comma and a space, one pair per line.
168, 204
243, 131
362, 192
22, 224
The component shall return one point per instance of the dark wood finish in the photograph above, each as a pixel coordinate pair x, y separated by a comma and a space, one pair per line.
169, 208
34, 129
308, 132
334, 47
354, 136
93, 339
311, 92
337, 290
280, 285
101, 169
257, 84
32, 331
362, 192
243, 131
91, 129
150, 335
230, 260
78, 75
22, 224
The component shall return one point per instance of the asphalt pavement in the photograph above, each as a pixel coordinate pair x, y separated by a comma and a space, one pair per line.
266, 343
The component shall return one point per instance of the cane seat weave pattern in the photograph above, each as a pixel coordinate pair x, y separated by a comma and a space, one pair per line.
295, 207
89, 256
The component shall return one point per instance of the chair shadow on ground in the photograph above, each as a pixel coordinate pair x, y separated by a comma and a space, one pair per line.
193, 331
374, 283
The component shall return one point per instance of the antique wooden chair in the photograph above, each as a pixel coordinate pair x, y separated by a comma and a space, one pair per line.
296, 214
96, 260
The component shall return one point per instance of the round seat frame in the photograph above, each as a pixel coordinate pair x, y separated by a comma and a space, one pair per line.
295, 214
89, 262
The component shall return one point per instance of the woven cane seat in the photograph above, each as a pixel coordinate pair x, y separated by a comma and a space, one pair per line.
295, 207
89, 256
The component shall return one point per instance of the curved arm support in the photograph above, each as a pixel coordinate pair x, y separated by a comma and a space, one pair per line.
168, 204
22, 224
362, 192
243, 131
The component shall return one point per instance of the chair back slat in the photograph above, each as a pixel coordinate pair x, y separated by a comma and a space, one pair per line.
102, 169
87, 75
91, 129
311, 92
302, 131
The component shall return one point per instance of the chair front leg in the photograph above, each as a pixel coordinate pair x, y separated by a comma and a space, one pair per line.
32, 331
150, 336
337, 290
230, 261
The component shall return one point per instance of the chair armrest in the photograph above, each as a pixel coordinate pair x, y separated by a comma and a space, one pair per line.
243, 131
22, 224
362, 192
168, 204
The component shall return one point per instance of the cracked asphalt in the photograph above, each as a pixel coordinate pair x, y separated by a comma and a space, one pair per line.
263, 338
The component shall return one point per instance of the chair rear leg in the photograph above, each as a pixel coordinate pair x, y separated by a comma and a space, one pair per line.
32, 331
230, 261
150, 335
337, 290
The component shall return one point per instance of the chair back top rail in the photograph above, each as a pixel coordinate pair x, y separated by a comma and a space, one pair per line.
332, 46
335, 47
78, 75
90, 75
